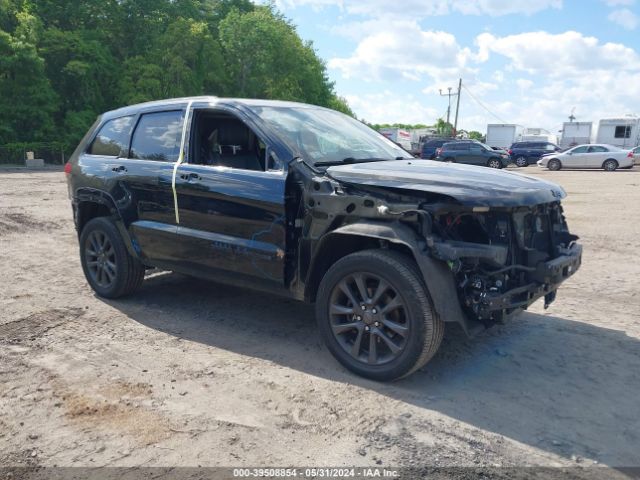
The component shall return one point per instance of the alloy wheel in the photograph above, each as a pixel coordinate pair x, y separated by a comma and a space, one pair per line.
521, 162
100, 258
368, 318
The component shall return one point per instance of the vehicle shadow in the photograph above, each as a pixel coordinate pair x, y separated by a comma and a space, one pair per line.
559, 385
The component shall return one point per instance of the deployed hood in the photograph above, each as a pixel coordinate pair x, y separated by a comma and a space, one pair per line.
470, 185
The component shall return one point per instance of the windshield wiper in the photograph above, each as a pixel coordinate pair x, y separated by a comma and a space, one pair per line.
351, 160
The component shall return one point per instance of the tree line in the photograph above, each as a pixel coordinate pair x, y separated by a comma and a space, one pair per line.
63, 62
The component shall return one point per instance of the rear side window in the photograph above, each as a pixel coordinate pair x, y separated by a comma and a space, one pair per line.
158, 136
459, 146
597, 149
113, 138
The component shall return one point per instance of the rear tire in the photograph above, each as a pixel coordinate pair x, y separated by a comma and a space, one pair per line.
610, 165
109, 268
449, 160
375, 316
521, 161
554, 165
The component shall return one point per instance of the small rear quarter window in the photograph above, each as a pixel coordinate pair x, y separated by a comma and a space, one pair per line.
113, 138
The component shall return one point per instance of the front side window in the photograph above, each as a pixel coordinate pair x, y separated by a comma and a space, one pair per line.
321, 135
158, 136
582, 149
113, 138
219, 139
623, 131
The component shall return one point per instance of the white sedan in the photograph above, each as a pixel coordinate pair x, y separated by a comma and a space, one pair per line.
600, 155
636, 155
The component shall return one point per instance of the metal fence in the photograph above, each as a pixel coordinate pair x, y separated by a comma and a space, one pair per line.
16, 154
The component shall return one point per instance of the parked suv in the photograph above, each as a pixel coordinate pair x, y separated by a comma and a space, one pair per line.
308, 203
473, 153
528, 153
430, 147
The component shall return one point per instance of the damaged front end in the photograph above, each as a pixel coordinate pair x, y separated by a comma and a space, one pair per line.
504, 259
488, 244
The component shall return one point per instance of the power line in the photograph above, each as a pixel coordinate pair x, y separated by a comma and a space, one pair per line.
482, 104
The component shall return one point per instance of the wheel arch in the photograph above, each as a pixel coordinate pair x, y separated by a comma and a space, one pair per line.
363, 235
610, 159
91, 203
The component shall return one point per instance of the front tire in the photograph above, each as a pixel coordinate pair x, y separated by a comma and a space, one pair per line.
554, 165
521, 161
107, 265
375, 316
610, 165
494, 163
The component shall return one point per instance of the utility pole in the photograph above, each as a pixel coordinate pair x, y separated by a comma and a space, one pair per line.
449, 107
455, 125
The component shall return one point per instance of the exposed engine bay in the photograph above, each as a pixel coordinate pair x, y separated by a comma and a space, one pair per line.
499, 259
519, 241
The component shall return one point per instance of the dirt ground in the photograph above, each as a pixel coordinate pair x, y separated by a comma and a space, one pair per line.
189, 373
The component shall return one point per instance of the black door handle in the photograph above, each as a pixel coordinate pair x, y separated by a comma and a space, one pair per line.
190, 177
119, 169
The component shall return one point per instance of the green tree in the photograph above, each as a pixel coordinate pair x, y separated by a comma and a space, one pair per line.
63, 62
265, 57
27, 101
443, 128
475, 135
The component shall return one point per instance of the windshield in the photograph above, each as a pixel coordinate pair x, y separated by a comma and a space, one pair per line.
325, 136
485, 146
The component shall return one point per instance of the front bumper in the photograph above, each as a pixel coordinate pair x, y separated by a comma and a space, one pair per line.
545, 281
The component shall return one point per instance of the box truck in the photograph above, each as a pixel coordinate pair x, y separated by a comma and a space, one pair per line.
575, 133
503, 134
399, 136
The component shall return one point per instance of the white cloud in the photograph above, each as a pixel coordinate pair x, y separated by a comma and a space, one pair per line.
565, 54
392, 107
617, 3
422, 9
408, 53
625, 18
524, 83
566, 70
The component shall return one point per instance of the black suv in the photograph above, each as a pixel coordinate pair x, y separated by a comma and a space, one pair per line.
527, 153
473, 152
308, 203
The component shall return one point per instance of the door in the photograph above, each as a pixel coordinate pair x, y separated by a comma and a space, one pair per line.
135, 155
147, 175
576, 158
596, 155
230, 198
477, 155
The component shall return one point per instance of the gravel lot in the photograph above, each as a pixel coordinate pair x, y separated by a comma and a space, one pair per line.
190, 373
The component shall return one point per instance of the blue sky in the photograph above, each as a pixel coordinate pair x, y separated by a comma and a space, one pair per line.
527, 61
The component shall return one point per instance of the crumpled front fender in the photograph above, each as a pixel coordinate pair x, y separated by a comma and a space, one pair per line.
437, 276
